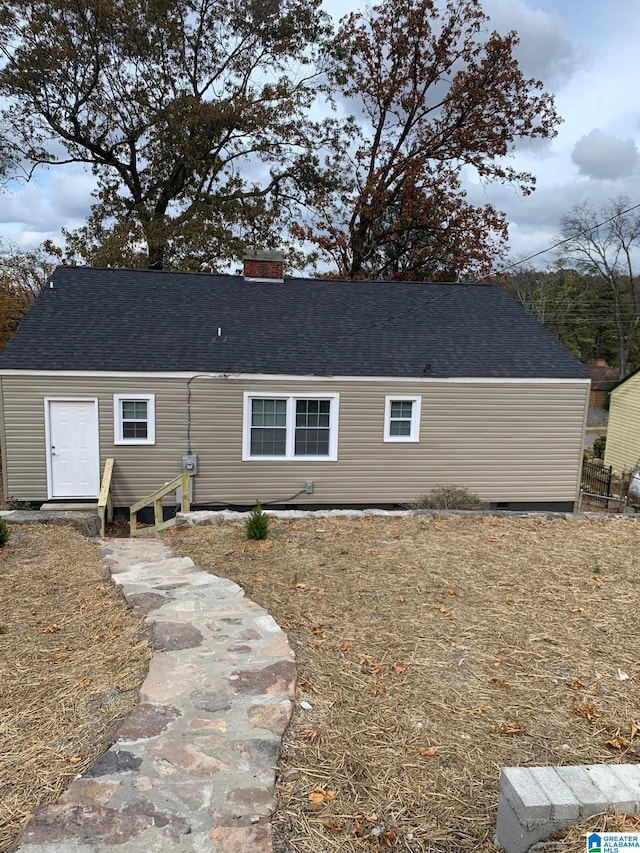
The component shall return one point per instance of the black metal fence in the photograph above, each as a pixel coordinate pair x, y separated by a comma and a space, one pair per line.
596, 482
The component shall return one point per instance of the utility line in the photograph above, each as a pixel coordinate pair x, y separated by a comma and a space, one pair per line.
566, 240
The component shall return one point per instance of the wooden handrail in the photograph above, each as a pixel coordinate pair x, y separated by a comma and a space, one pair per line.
105, 504
182, 482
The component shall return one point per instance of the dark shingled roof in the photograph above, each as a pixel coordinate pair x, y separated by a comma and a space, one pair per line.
144, 320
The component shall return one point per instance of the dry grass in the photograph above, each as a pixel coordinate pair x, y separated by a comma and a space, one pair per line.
71, 660
433, 652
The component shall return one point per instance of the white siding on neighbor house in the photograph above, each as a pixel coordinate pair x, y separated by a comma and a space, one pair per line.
506, 440
622, 449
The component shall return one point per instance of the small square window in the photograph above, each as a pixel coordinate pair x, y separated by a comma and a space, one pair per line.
134, 419
402, 419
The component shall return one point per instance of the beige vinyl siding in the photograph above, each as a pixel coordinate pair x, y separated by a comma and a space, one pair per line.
622, 449
508, 441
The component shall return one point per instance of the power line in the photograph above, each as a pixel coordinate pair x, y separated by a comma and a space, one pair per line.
566, 240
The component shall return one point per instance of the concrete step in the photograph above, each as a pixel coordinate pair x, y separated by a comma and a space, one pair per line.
59, 506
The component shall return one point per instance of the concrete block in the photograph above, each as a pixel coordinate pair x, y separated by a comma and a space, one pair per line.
564, 804
629, 774
621, 792
528, 799
511, 833
592, 799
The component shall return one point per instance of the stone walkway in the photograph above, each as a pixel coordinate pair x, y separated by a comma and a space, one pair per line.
193, 766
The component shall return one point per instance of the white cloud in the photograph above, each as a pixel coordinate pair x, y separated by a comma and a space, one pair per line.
603, 157
544, 51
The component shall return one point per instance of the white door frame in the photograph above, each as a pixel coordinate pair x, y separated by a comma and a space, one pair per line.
47, 438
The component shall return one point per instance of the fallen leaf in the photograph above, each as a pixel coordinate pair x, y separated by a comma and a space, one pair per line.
583, 709
84, 682
508, 728
318, 630
332, 826
343, 647
322, 795
634, 730
51, 629
389, 838
620, 744
311, 735
398, 668
74, 759
428, 751
377, 689
400, 599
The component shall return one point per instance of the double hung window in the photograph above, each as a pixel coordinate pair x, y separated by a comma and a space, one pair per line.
294, 426
402, 418
134, 419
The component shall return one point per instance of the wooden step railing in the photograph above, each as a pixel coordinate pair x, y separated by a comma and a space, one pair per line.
155, 499
105, 504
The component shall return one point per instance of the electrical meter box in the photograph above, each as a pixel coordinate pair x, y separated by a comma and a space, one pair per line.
190, 463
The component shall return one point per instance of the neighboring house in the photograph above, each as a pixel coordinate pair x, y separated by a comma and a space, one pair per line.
622, 450
294, 391
603, 379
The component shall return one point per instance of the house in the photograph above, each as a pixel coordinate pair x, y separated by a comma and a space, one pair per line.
304, 392
603, 379
622, 450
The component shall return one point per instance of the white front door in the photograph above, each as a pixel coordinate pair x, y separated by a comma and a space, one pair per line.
73, 454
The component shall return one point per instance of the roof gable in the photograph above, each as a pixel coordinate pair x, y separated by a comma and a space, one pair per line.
144, 320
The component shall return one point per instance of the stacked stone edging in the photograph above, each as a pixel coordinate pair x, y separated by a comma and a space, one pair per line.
193, 766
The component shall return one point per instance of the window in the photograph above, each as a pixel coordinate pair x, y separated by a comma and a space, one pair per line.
402, 418
296, 426
134, 419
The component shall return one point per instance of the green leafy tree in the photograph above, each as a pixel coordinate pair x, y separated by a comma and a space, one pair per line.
433, 93
574, 307
193, 117
604, 242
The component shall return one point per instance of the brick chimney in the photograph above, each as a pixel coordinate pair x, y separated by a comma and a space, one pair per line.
264, 266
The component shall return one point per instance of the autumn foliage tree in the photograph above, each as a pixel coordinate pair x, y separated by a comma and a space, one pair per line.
193, 116
433, 93
23, 274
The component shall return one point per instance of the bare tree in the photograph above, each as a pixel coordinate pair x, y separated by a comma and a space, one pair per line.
604, 242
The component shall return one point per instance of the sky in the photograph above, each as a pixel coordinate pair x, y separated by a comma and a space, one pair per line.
585, 52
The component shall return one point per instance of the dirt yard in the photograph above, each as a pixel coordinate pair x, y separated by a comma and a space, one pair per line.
71, 660
431, 652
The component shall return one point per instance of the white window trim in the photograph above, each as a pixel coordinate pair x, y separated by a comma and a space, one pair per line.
150, 400
290, 455
416, 409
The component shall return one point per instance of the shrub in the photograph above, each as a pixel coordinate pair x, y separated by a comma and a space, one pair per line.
598, 446
17, 504
257, 526
449, 497
4, 532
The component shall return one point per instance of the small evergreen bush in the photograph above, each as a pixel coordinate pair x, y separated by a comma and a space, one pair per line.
4, 532
599, 445
449, 497
257, 526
